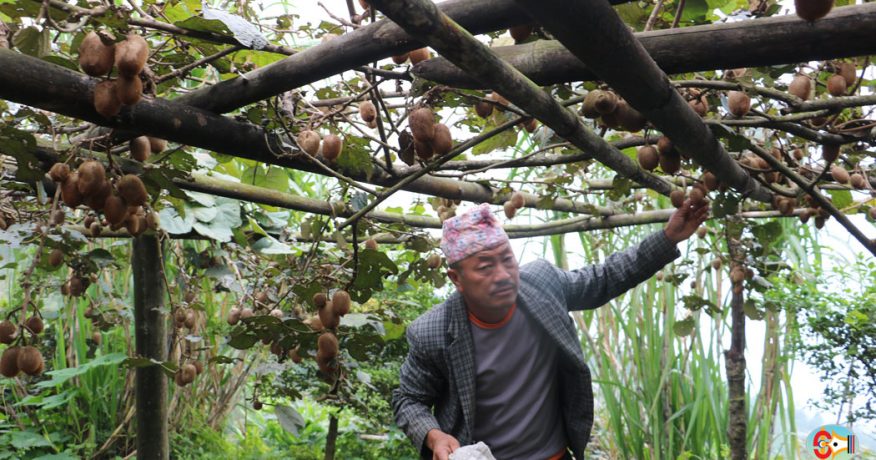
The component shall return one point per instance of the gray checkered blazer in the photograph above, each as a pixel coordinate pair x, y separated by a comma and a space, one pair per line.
439, 371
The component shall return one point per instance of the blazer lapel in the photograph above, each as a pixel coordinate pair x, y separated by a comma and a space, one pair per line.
461, 356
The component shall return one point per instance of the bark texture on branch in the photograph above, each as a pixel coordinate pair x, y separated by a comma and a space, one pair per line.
422, 18
595, 33
734, 363
151, 343
37, 83
845, 32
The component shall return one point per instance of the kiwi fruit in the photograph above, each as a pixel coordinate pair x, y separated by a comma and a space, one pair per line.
132, 190
179, 316
131, 55
484, 109
276, 313
309, 141
30, 360
199, 367
56, 257
57, 217
696, 195
441, 142
97, 199
35, 324
341, 302
710, 181
433, 261
132, 225
367, 111
629, 118
314, 323
418, 55
294, 355
699, 104
157, 144
805, 215
320, 299
106, 100
510, 210
664, 145
530, 125
702, 232
9, 362
59, 172
261, 297
233, 316
400, 58
847, 70
840, 174
91, 177
70, 191
819, 222
737, 275
830, 152
518, 200
185, 374
129, 89
677, 198
423, 149
95, 58
588, 107
153, 221
836, 85
246, 313
810, 10
332, 145
191, 319
858, 181
739, 103
115, 209
327, 346
8, 332
521, 32
140, 148
328, 317
422, 123
670, 162
371, 244
499, 99
647, 157
604, 101
800, 86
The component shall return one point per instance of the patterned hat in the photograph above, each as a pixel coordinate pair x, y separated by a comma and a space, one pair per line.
472, 232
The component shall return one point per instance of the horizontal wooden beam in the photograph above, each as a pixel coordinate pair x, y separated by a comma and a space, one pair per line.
846, 32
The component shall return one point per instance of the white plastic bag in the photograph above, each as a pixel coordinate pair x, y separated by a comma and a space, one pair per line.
479, 451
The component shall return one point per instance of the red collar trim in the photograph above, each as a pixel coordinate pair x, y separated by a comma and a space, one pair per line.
484, 325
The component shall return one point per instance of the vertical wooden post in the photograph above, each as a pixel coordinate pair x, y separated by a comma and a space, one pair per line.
331, 438
734, 363
151, 338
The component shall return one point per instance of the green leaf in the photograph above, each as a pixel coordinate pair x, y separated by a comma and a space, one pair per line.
373, 266
24, 440
502, 140
841, 198
173, 223
63, 62
62, 375
243, 341
289, 419
355, 160
33, 41
684, 327
268, 176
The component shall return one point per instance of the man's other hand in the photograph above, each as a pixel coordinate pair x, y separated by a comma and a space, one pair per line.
441, 444
685, 220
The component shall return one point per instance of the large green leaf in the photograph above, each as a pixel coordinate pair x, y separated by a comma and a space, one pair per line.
173, 223
24, 440
62, 375
289, 419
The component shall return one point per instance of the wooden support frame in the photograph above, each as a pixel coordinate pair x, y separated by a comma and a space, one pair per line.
151, 343
594, 32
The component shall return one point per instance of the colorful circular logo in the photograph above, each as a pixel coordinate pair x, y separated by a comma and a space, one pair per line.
832, 442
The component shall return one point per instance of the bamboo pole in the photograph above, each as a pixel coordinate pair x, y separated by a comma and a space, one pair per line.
151, 337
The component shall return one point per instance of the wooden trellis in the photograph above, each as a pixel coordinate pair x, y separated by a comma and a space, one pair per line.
592, 43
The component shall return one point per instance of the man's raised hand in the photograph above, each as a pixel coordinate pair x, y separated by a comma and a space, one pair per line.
686, 219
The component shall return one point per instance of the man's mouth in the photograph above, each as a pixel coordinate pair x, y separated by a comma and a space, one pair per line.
504, 290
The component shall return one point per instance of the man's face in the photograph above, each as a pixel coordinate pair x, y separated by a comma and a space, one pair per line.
488, 280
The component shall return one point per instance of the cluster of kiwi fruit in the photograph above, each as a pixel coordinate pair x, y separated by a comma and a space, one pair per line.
697, 194
330, 146
186, 373
484, 108
416, 56
98, 54
261, 305
663, 154
514, 203
120, 199
843, 78
328, 318
612, 111
738, 274
446, 208
430, 138
16, 359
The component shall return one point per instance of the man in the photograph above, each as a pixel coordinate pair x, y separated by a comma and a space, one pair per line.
500, 360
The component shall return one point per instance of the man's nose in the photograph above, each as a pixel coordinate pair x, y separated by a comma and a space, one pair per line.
502, 273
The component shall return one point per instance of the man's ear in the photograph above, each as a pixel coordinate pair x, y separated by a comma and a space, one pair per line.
455, 277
